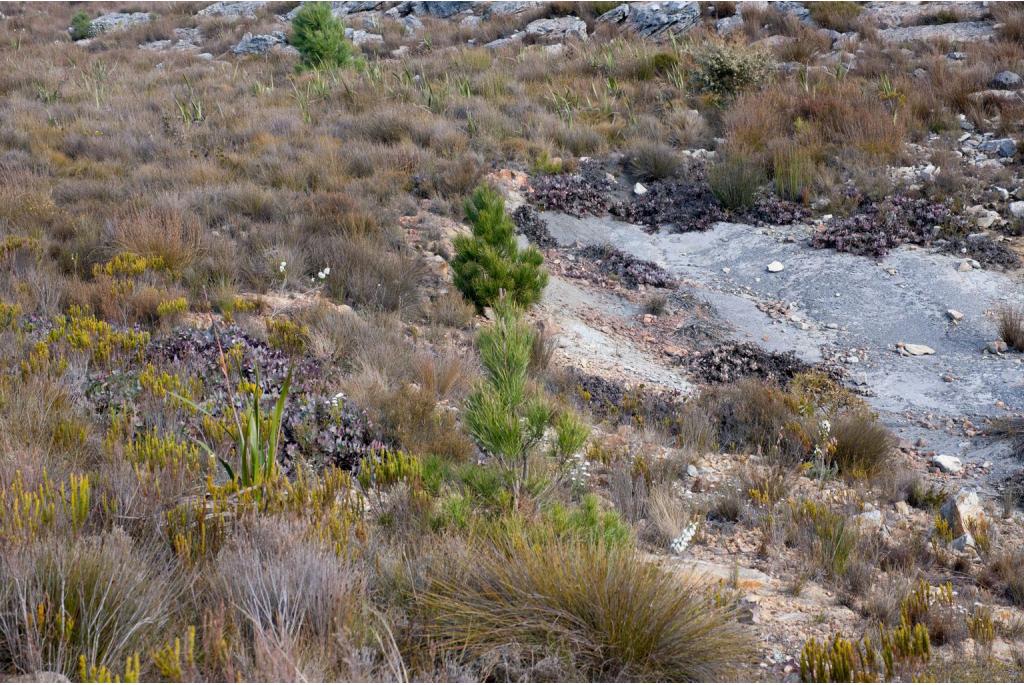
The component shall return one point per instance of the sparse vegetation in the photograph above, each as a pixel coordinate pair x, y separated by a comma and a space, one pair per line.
269, 412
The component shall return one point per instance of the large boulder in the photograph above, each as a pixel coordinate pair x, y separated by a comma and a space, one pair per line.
1007, 80
361, 38
341, 9
655, 18
259, 44
1003, 147
232, 10
959, 32
504, 8
558, 28
438, 10
116, 21
888, 15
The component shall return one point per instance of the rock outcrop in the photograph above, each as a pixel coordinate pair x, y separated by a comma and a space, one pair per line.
655, 18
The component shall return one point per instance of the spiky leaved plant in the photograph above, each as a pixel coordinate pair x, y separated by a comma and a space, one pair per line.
257, 437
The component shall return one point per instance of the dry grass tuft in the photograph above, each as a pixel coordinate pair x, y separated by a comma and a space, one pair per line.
613, 616
1010, 321
863, 447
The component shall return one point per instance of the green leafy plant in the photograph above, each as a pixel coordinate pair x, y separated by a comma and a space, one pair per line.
81, 26
256, 435
320, 37
489, 264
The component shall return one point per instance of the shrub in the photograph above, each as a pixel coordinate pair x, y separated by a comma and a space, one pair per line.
320, 38
1002, 575
489, 264
161, 234
862, 447
653, 161
760, 417
727, 69
735, 179
1011, 327
613, 616
81, 26
292, 598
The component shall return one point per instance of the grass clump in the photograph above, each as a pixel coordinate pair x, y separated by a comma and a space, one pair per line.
861, 446
606, 613
1011, 327
653, 161
489, 265
320, 37
735, 179
838, 16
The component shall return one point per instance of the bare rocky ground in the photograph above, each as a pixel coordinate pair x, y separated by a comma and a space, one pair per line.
911, 332
844, 309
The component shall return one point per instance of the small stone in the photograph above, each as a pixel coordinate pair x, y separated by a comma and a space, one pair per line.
995, 347
1006, 80
1002, 147
639, 189
869, 520
1017, 209
776, 266
962, 511
963, 543
692, 471
965, 265
902, 508
913, 349
954, 315
947, 463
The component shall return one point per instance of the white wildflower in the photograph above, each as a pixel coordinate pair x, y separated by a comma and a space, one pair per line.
679, 545
282, 266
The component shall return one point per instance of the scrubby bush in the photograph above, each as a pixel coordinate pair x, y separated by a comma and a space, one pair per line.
488, 264
727, 69
94, 598
862, 447
320, 37
81, 26
606, 613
